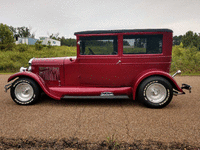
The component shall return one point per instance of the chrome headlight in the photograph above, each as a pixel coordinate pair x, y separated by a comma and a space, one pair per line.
23, 69
30, 63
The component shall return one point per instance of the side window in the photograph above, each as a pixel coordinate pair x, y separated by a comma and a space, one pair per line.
98, 45
142, 44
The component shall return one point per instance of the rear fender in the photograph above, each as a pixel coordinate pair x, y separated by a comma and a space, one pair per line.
37, 79
143, 76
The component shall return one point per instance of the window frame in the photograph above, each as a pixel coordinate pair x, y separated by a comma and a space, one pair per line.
120, 45
136, 36
98, 56
114, 38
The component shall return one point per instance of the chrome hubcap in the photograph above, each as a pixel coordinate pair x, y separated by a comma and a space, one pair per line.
156, 93
24, 92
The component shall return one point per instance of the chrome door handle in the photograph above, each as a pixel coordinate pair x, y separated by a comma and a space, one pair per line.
118, 62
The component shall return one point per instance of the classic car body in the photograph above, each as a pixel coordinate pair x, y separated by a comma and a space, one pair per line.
108, 63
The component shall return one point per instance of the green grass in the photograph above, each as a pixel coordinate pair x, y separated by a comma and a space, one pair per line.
11, 61
134, 50
6, 73
99, 50
185, 59
186, 74
191, 74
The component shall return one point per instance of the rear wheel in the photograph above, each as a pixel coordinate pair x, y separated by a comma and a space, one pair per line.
155, 92
24, 91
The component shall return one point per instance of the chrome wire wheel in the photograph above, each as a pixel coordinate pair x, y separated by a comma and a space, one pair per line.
156, 93
24, 92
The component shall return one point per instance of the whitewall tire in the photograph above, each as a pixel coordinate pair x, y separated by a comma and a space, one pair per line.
24, 91
155, 92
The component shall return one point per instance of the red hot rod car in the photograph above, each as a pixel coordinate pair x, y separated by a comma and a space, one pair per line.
109, 63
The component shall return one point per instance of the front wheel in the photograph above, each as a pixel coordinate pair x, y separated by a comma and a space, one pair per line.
24, 91
155, 92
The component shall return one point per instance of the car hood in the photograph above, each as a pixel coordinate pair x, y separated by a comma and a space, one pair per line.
51, 61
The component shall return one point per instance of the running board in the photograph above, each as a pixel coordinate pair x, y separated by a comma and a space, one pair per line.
90, 91
95, 97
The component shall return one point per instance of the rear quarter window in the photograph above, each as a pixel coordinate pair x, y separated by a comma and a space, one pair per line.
142, 44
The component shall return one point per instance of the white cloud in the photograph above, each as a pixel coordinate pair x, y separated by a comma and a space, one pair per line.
67, 17
181, 27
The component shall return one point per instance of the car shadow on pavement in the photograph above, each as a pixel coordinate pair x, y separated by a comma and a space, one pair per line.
45, 100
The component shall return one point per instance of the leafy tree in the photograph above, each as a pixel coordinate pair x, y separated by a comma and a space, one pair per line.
191, 39
23, 32
13, 30
126, 43
38, 45
177, 40
138, 42
54, 36
6, 38
68, 42
49, 44
186, 59
33, 33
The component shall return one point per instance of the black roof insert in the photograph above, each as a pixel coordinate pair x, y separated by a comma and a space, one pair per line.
122, 31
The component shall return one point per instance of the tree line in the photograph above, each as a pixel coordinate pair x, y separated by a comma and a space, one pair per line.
189, 39
9, 33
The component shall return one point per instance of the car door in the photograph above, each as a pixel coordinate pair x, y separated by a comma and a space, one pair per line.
141, 53
99, 61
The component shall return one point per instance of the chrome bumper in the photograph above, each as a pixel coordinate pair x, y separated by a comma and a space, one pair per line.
187, 87
184, 86
7, 87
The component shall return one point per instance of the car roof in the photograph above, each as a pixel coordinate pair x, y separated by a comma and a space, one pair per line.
122, 31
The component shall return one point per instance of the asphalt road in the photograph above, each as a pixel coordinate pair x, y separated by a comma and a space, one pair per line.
96, 119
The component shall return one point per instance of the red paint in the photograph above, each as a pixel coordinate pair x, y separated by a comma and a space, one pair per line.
94, 74
36, 78
148, 73
89, 91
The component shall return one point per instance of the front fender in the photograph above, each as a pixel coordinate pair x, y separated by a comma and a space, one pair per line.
149, 73
37, 79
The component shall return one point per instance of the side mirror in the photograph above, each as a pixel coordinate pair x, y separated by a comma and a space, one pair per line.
79, 42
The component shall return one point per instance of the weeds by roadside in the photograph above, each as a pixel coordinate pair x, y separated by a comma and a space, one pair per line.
75, 143
185, 59
112, 142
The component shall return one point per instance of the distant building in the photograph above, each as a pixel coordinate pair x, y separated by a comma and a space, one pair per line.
25, 40
52, 41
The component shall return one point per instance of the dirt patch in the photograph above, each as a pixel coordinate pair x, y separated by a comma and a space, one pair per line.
74, 143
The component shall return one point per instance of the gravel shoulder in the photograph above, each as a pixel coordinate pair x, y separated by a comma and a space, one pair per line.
95, 120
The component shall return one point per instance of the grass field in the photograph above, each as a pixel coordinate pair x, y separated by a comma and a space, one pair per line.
132, 50
11, 61
185, 59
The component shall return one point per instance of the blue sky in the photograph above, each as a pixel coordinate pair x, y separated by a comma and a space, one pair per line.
45, 17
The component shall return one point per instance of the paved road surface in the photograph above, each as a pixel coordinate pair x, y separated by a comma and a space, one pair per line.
95, 120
